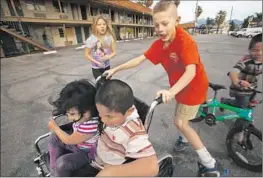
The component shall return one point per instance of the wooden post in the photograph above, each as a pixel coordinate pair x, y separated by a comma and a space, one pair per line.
19, 22
64, 26
89, 10
125, 31
110, 13
143, 26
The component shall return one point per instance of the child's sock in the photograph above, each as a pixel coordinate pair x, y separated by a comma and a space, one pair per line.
183, 137
205, 158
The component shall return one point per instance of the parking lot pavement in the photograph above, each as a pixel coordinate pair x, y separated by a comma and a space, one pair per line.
27, 81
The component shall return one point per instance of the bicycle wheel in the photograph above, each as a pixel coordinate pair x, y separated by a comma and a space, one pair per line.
200, 118
241, 150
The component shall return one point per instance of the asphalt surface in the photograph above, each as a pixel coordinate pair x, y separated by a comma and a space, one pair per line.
27, 81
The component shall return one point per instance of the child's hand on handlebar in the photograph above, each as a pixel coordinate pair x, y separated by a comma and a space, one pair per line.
52, 125
109, 73
244, 83
166, 95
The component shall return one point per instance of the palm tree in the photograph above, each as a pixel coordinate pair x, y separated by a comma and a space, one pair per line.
220, 18
199, 11
146, 3
258, 16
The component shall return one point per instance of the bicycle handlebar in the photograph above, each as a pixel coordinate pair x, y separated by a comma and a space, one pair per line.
159, 100
254, 90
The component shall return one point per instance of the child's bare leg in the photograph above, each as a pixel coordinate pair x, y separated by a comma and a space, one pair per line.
183, 114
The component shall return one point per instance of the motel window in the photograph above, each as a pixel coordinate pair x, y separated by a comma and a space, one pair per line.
94, 11
37, 5
61, 32
64, 6
105, 11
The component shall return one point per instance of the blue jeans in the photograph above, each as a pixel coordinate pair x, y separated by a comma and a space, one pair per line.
47, 44
239, 101
64, 159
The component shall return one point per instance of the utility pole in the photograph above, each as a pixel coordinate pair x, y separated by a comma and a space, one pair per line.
196, 9
230, 19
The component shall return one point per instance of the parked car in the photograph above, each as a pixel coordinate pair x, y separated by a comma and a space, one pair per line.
247, 32
240, 33
253, 32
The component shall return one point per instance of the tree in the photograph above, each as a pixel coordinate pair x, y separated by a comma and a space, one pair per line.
199, 11
232, 26
146, 3
220, 18
246, 21
210, 22
258, 16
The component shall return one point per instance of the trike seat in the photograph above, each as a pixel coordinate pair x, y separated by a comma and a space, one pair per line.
216, 87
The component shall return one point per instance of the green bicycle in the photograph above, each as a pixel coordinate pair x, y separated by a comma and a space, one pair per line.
243, 128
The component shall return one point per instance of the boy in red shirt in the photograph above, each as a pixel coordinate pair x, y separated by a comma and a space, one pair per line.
177, 52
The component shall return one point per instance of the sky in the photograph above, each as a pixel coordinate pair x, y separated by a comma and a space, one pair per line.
241, 9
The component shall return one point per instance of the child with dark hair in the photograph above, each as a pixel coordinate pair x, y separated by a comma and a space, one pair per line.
124, 136
69, 152
245, 73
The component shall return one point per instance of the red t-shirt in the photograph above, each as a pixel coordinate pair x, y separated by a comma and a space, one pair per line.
181, 52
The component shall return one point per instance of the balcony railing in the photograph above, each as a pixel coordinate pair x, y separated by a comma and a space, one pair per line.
42, 17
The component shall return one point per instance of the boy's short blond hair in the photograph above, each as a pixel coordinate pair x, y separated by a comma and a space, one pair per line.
164, 5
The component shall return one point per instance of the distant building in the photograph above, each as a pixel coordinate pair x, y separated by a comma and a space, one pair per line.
252, 24
67, 22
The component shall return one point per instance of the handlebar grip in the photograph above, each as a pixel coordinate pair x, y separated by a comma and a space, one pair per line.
57, 116
159, 100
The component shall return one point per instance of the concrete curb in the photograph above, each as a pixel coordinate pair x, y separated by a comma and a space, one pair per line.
80, 47
50, 52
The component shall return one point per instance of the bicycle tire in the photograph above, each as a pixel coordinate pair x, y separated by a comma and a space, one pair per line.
200, 118
232, 154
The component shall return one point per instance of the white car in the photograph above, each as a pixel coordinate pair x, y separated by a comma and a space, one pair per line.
252, 33
248, 32
240, 33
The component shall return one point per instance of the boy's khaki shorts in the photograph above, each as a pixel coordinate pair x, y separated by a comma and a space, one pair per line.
185, 112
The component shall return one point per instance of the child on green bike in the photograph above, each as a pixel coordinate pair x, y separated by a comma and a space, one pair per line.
245, 73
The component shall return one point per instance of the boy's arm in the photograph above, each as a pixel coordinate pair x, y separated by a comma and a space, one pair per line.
147, 166
234, 76
153, 54
185, 79
240, 66
130, 64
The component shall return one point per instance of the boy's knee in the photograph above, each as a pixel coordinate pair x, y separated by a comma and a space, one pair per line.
181, 124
